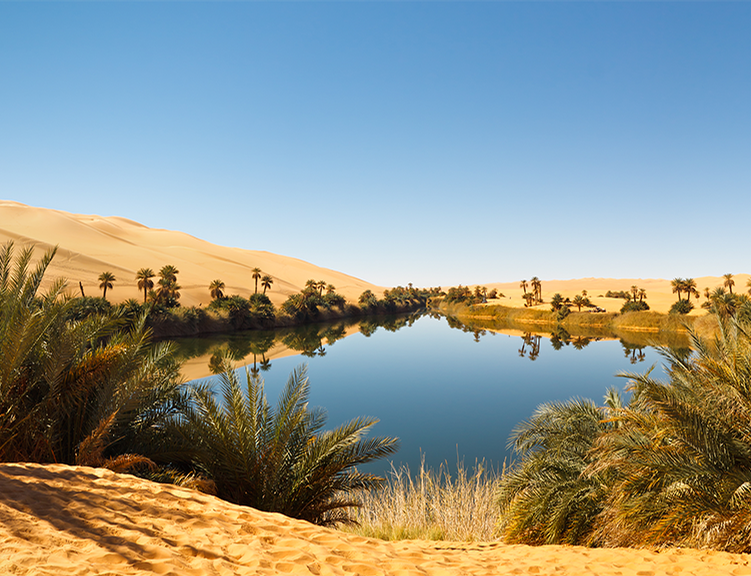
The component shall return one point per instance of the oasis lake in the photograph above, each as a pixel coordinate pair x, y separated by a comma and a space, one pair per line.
449, 392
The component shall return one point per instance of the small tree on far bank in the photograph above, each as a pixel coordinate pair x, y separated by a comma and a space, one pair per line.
216, 289
106, 280
145, 282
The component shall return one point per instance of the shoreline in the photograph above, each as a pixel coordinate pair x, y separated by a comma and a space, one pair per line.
581, 323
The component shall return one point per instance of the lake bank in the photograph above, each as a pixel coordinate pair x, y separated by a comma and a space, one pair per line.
626, 325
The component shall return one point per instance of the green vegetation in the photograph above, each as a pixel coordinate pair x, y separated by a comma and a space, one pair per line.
611, 323
76, 390
463, 295
634, 307
80, 383
671, 467
279, 460
681, 307
547, 498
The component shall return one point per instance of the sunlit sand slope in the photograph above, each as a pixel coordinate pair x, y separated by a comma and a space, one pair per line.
64, 520
89, 245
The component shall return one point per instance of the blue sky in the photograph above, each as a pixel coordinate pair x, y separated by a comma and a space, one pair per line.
428, 142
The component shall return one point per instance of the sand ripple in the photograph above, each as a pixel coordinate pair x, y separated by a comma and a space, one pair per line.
74, 520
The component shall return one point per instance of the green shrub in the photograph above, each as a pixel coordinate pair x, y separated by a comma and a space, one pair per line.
681, 307
634, 307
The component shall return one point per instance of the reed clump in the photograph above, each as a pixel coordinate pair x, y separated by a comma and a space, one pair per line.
432, 505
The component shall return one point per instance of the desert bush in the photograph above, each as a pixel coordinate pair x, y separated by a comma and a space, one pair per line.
681, 307
633, 306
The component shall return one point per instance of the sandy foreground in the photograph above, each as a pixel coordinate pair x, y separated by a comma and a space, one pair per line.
75, 520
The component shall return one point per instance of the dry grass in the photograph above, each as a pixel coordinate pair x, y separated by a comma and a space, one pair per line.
433, 505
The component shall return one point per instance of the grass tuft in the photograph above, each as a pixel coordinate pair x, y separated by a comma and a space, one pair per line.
432, 505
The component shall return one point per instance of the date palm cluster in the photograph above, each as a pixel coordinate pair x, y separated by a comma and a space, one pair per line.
672, 466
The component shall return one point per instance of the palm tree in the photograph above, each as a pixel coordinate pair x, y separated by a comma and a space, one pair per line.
168, 292
689, 287
256, 275
642, 294
680, 450
76, 392
635, 291
106, 279
546, 498
145, 282
578, 301
729, 282
266, 282
169, 273
536, 288
279, 459
523, 286
677, 284
217, 289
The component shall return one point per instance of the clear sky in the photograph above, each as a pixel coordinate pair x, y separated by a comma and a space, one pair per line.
428, 142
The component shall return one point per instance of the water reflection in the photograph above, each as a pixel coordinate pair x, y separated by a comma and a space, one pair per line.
634, 343
257, 348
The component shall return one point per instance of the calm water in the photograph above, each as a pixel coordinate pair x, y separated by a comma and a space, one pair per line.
446, 393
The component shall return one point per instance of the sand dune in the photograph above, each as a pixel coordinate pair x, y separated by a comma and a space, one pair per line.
89, 245
66, 520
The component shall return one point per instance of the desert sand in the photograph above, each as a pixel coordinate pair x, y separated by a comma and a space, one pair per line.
73, 520
89, 245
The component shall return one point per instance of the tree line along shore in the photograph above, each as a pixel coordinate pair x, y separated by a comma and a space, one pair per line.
317, 301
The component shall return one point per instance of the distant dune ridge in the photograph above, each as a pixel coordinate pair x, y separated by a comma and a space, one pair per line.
89, 245
81, 521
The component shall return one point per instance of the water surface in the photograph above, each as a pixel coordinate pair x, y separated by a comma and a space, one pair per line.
447, 393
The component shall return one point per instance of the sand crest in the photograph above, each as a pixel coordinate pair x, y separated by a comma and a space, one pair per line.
74, 520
